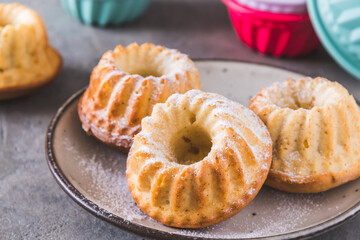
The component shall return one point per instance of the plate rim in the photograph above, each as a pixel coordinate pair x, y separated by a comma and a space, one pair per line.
138, 229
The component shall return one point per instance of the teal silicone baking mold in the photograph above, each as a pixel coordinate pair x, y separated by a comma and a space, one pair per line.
105, 12
337, 23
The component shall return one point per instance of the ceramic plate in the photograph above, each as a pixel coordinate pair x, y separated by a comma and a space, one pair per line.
94, 174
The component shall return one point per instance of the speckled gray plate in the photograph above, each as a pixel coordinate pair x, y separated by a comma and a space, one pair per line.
94, 174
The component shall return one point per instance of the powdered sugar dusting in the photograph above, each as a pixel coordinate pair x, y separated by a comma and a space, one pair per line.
111, 189
107, 185
247, 119
98, 172
271, 213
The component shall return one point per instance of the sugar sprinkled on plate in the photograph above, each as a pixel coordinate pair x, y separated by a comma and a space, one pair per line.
272, 212
108, 188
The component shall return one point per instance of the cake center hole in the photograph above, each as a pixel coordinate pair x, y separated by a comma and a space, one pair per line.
191, 144
146, 72
139, 64
295, 101
304, 105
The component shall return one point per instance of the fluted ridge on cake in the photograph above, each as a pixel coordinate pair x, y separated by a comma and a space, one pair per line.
198, 194
25, 54
315, 129
125, 86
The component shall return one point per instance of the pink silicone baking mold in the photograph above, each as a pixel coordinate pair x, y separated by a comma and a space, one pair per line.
277, 34
277, 6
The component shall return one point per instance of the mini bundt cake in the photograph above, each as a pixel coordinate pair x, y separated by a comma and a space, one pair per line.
125, 86
198, 160
27, 61
315, 128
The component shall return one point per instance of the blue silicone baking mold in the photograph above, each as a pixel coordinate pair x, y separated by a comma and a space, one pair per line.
337, 23
105, 12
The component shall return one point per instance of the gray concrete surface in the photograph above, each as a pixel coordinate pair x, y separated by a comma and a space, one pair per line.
32, 205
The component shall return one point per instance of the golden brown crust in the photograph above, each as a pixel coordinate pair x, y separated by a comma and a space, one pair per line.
311, 184
315, 128
24, 90
118, 97
104, 137
27, 61
207, 190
